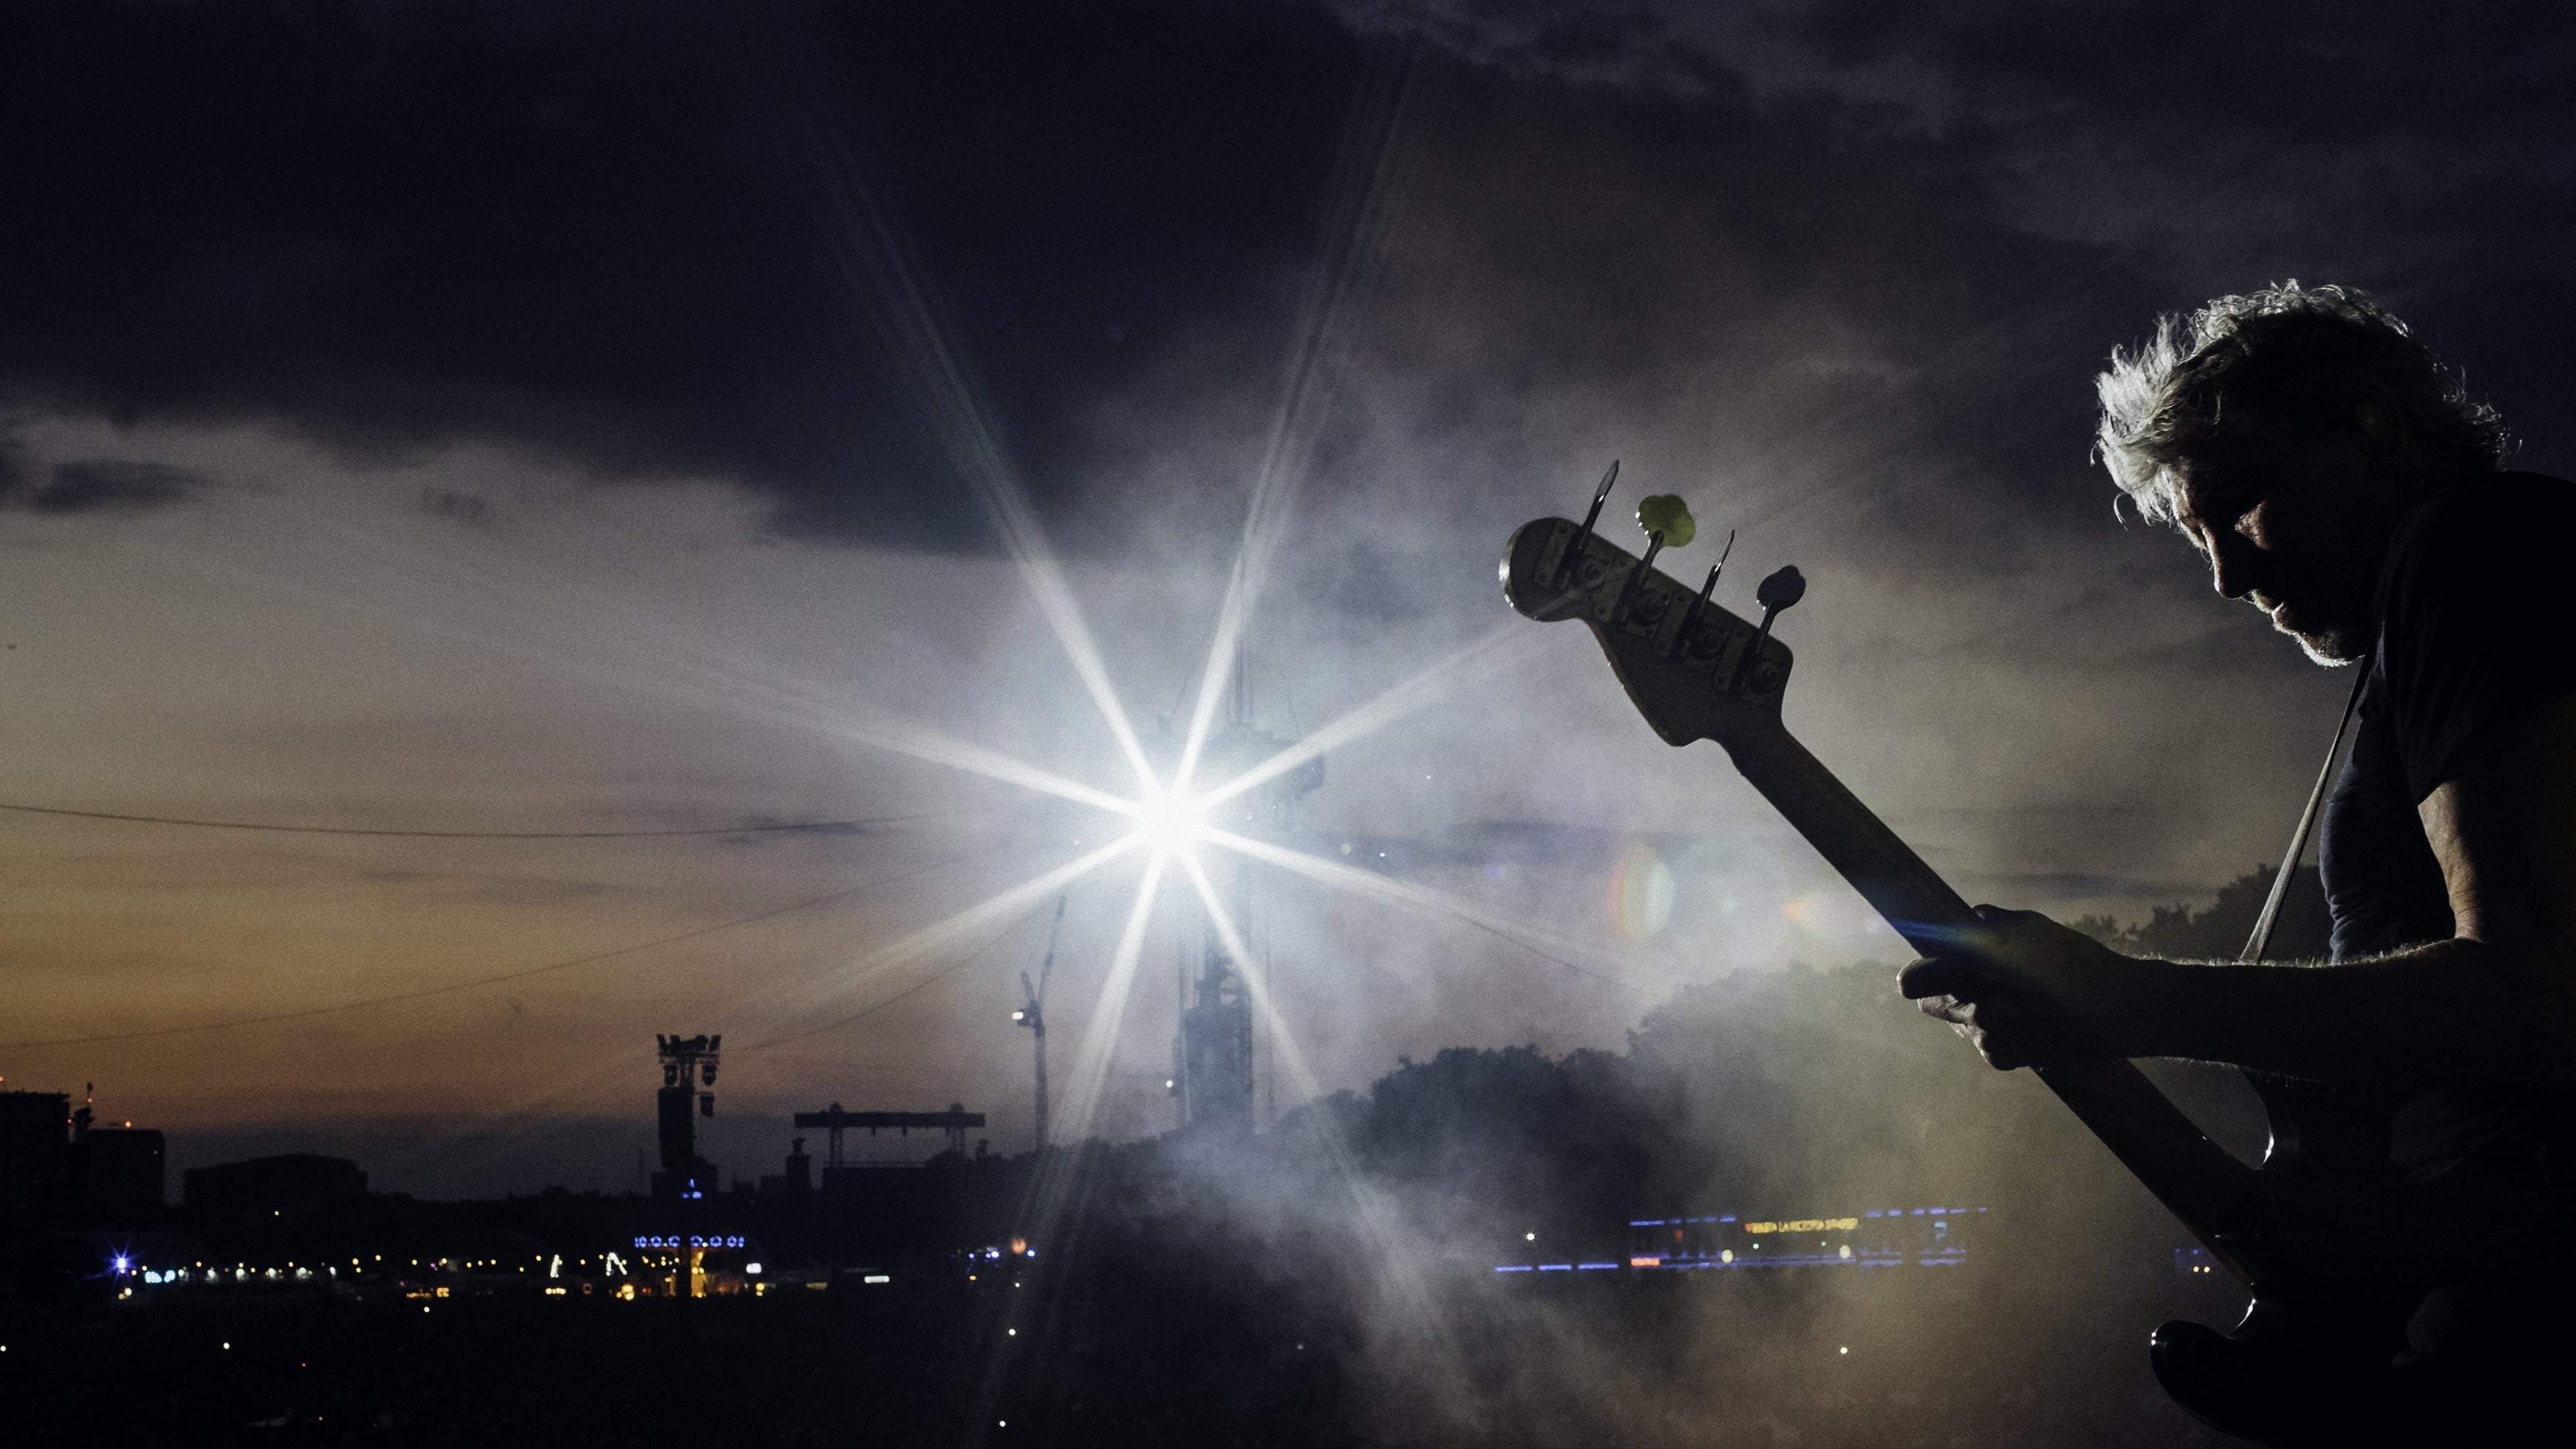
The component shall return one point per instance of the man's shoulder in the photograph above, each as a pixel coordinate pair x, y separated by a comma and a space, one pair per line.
2510, 522
2477, 615
2505, 503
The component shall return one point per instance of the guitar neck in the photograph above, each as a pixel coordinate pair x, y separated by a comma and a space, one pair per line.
1695, 672
2191, 1175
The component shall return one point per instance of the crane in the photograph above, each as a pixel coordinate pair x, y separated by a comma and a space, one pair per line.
1033, 1015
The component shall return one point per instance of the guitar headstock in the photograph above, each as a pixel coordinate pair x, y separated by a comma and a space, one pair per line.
1693, 669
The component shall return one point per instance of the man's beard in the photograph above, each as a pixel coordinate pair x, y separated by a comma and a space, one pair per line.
2327, 642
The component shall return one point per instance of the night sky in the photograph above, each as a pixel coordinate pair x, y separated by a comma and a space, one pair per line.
583, 420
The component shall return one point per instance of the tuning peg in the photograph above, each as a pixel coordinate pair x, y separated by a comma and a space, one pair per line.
1779, 591
1637, 575
1583, 536
1690, 616
1666, 519
1782, 589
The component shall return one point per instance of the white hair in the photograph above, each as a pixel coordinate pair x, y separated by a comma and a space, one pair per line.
2285, 352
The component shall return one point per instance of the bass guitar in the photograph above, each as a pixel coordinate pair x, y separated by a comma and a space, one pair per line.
2314, 1235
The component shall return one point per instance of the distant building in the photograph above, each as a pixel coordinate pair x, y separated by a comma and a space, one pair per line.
119, 1175
1213, 1064
35, 1140
797, 1181
293, 1183
688, 1065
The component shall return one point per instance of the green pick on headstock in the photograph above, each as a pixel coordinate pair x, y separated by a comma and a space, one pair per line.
1665, 513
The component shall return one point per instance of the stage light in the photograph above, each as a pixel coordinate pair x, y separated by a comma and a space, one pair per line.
1169, 820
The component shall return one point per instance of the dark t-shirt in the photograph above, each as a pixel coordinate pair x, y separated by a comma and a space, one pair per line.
2477, 615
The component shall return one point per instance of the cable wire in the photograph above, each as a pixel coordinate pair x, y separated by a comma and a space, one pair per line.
522, 974
756, 828
942, 974
1507, 937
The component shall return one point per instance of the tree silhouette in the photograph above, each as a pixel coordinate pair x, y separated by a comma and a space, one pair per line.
2218, 931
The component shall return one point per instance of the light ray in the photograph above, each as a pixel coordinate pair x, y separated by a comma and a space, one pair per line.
923, 743
1057, 1173
1256, 981
1415, 896
938, 934
803, 709
1046, 580
901, 307
1377, 1217
943, 972
813, 708
1565, 950
1351, 246
810, 707
646, 663
592, 1084
1241, 589
1109, 1011
1422, 689
787, 706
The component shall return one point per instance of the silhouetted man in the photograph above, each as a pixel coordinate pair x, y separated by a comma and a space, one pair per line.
2339, 479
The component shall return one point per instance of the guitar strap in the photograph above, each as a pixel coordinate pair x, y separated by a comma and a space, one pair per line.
2261, 940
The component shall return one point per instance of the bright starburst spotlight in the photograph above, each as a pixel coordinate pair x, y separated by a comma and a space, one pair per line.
1171, 820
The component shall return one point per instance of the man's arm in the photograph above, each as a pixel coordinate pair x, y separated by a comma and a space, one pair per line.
2495, 1003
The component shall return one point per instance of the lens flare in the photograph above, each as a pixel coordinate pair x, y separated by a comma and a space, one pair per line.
1641, 893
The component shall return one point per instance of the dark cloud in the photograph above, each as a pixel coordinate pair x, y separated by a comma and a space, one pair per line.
456, 505
616, 234
102, 485
770, 830
1595, 36
15, 466
1870, 253
2190, 150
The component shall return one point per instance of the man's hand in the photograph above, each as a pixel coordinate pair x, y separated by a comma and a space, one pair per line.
2026, 991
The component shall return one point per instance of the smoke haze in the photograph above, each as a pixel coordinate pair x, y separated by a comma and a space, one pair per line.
533, 423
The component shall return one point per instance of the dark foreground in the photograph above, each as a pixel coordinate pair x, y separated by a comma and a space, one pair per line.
1755, 1360
1329, 1281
